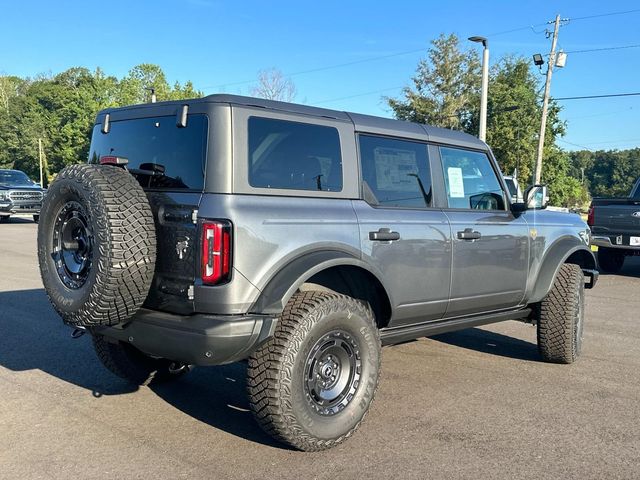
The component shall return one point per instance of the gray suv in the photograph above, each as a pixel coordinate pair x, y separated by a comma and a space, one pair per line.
301, 239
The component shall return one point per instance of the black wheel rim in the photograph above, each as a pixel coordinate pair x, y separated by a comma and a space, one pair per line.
332, 372
72, 245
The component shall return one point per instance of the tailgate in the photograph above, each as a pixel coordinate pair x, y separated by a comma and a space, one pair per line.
616, 219
176, 253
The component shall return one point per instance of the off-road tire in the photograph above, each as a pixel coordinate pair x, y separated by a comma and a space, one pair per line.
131, 364
610, 260
561, 317
276, 371
121, 234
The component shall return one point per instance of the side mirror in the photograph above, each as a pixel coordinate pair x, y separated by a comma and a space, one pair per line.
536, 197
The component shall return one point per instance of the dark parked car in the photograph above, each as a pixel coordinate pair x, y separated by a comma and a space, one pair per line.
19, 195
615, 228
227, 228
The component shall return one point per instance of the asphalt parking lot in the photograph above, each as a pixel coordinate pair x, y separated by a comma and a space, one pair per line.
472, 404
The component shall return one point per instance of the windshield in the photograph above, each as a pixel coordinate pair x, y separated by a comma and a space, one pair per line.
9, 178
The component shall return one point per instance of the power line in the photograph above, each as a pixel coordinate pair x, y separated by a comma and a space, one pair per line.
575, 144
356, 95
328, 67
599, 96
364, 60
606, 14
604, 48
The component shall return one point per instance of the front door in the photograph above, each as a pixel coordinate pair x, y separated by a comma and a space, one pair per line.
490, 245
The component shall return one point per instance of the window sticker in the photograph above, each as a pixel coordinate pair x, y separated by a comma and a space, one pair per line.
456, 184
395, 169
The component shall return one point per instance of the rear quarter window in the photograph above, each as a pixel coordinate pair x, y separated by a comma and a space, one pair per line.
294, 155
161, 155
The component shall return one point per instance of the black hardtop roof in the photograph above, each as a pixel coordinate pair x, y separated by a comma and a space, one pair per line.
362, 123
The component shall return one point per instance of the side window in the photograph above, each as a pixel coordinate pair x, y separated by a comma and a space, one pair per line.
293, 155
395, 172
470, 180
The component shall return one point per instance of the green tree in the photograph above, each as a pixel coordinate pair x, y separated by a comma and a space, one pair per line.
446, 94
445, 89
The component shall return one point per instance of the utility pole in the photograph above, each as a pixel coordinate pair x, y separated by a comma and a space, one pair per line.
40, 157
545, 101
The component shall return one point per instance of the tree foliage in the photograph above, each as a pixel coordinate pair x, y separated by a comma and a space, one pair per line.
446, 93
609, 173
60, 111
445, 87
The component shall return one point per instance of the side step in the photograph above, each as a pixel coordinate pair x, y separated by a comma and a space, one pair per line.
410, 332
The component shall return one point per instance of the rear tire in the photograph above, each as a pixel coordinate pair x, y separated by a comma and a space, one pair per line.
610, 260
96, 245
311, 384
131, 364
561, 317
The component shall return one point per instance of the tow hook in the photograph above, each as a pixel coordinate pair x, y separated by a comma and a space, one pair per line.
176, 368
78, 332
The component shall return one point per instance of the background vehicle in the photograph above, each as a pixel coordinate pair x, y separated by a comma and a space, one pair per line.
302, 239
615, 228
19, 195
514, 188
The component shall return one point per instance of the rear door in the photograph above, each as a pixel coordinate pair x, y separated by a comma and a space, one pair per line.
168, 161
490, 244
402, 235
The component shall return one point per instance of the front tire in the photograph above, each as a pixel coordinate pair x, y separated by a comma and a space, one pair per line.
610, 260
312, 383
561, 317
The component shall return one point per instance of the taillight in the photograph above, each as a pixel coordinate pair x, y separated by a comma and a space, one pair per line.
591, 216
216, 252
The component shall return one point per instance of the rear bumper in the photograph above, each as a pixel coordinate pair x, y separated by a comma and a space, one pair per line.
194, 339
606, 241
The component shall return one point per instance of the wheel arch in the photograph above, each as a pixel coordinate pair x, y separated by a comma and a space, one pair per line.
558, 255
326, 270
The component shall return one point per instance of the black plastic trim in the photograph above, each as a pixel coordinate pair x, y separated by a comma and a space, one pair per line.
411, 332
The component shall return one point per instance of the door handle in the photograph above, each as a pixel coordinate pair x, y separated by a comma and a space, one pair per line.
469, 234
384, 235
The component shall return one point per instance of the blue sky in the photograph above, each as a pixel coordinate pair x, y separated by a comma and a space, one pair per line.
220, 45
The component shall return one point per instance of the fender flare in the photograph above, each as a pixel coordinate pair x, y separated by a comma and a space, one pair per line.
289, 278
557, 255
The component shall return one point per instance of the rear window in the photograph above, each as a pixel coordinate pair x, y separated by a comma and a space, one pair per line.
293, 155
161, 155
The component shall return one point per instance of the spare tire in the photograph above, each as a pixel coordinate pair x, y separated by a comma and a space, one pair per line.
96, 245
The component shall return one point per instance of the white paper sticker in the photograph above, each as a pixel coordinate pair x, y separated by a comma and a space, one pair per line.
456, 185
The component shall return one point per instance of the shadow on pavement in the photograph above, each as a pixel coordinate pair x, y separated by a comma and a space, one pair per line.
630, 269
490, 342
32, 337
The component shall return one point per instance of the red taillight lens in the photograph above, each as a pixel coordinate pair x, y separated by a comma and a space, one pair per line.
216, 252
591, 216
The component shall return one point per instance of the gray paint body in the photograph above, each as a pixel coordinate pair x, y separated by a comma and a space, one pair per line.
283, 237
